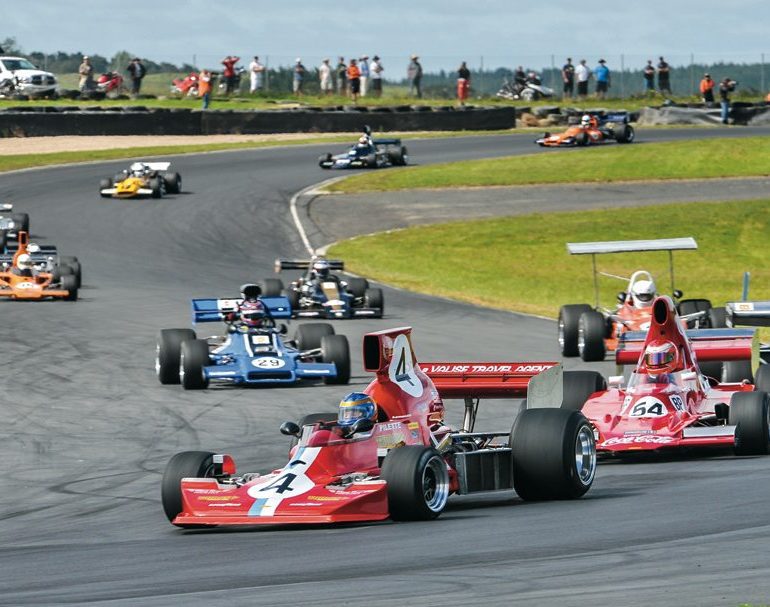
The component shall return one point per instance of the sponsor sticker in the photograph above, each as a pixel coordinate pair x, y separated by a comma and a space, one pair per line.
636, 440
401, 370
268, 362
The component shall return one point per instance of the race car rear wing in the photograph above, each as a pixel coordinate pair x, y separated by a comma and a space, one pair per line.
211, 310
485, 380
45, 249
157, 166
709, 345
304, 264
631, 246
386, 141
748, 313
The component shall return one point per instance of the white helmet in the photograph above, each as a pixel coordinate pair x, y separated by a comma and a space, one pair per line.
585, 120
24, 262
33, 247
642, 293
363, 140
321, 268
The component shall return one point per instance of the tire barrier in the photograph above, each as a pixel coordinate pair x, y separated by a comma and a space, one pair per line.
138, 120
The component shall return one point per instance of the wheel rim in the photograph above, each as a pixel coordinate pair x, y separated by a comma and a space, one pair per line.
585, 455
181, 369
435, 484
581, 337
157, 360
561, 333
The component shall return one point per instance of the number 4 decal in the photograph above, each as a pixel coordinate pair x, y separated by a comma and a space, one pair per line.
281, 484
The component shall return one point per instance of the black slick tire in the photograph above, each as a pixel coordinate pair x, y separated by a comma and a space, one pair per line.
335, 349
70, 284
373, 298
193, 356
308, 336
418, 483
579, 386
188, 464
591, 331
167, 353
749, 414
569, 317
271, 287
173, 182
762, 379
357, 286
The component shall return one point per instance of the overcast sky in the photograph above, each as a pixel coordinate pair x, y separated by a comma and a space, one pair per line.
502, 32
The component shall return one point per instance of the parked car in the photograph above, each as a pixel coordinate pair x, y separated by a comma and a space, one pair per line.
25, 77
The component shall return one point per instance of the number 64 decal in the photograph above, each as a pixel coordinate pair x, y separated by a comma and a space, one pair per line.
648, 407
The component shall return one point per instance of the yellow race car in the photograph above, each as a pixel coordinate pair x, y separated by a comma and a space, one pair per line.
142, 179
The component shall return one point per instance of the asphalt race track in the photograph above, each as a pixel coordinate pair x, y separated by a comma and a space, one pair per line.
87, 429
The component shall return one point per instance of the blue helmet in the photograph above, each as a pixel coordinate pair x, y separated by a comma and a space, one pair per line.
355, 406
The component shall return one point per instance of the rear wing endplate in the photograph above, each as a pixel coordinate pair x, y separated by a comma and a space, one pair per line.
304, 264
708, 345
748, 313
211, 310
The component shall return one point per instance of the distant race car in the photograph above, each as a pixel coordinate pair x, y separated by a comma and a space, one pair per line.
368, 153
589, 332
30, 271
252, 351
668, 401
142, 179
11, 224
387, 452
592, 129
319, 293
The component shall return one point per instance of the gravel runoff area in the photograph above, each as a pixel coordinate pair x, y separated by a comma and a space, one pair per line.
332, 217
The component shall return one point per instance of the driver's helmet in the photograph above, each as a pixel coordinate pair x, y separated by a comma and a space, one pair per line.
253, 312
363, 140
33, 248
24, 262
355, 406
642, 293
661, 357
321, 268
137, 169
250, 292
585, 121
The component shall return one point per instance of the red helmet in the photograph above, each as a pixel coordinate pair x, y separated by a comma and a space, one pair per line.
661, 357
253, 312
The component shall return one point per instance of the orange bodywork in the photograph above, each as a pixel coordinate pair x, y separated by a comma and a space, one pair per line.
14, 286
574, 135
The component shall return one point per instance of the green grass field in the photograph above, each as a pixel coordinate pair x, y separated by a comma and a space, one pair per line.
521, 263
695, 159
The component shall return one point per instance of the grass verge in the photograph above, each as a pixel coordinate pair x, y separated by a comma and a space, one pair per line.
521, 263
696, 159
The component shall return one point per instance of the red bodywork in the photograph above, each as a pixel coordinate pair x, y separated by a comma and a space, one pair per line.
333, 479
188, 85
110, 81
675, 410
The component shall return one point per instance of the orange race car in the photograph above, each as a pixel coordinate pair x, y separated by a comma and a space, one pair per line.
24, 275
592, 129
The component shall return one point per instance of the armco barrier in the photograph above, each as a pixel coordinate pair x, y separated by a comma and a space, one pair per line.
38, 122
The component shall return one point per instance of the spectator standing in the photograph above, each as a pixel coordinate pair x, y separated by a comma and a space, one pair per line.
354, 80
342, 71
229, 73
298, 83
707, 89
520, 76
136, 71
363, 67
602, 74
325, 77
726, 87
256, 75
463, 82
649, 77
204, 87
414, 74
376, 69
582, 74
664, 74
86, 71
568, 79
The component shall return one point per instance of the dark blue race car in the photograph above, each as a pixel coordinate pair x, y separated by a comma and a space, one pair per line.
367, 153
252, 351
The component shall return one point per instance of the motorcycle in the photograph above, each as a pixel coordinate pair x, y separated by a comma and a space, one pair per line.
188, 86
110, 82
530, 89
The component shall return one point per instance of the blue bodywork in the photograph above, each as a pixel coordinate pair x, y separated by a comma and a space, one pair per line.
251, 355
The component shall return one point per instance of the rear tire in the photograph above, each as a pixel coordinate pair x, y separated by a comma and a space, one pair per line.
591, 331
167, 353
762, 379
417, 483
373, 298
188, 464
22, 222
735, 371
624, 133
579, 386
569, 317
173, 183
691, 306
309, 336
193, 357
749, 414
293, 297
156, 187
335, 349
272, 287
357, 286
717, 318
554, 454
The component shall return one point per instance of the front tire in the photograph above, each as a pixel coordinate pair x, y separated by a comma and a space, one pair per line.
591, 331
193, 357
173, 182
70, 284
569, 317
188, 464
749, 414
167, 353
373, 298
418, 483
554, 454
157, 187
335, 349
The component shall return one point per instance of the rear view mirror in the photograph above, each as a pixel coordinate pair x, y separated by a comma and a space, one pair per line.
677, 294
622, 296
290, 429
615, 381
